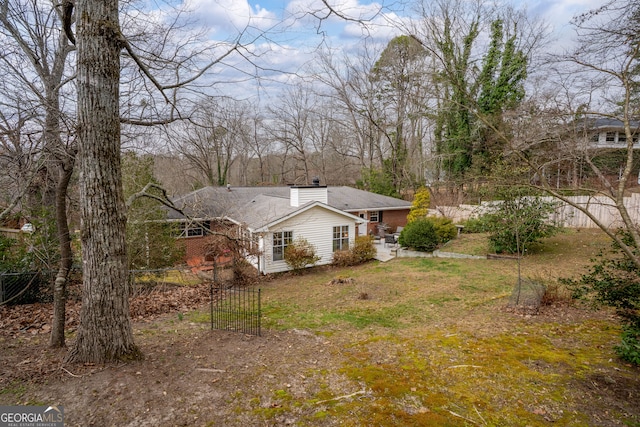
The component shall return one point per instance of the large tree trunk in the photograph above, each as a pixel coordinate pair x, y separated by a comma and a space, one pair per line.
105, 331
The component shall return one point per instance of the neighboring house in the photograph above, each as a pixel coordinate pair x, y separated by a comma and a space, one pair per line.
271, 217
609, 133
603, 139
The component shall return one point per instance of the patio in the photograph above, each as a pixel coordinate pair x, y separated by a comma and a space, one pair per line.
385, 252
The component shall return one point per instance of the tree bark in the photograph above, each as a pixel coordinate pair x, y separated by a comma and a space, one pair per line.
66, 256
105, 331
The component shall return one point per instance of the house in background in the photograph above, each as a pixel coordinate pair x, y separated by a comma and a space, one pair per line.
602, 140
272, 217
609, 133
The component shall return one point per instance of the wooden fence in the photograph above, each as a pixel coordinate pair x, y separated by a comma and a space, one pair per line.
601, 207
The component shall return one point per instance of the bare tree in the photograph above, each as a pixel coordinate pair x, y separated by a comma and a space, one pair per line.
212, 139
597, 79
256, 148
292, 127
19, 158
352, 91
32, 27
105, 330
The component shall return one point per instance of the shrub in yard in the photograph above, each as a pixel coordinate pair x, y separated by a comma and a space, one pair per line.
420, 205
518, 221
555, 293
343, 258
419, 235
243, 273
477, 225
300, 254
361, 251
444, 227
614, 281
629, 348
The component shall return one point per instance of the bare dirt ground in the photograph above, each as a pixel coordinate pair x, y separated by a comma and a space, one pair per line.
194, 376
190, 376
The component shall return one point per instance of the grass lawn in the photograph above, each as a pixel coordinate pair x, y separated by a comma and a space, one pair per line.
409, 342
431, 342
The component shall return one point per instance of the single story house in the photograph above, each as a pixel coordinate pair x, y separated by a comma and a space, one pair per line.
271, 217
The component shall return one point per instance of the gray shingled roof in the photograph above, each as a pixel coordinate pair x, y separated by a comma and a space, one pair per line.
604, 122
256, 206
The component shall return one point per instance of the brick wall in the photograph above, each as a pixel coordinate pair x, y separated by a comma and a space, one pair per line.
194, 250
393, 219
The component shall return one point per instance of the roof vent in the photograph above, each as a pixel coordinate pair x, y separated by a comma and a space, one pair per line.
316, 182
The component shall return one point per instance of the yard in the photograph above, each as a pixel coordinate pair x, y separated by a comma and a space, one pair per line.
410, 342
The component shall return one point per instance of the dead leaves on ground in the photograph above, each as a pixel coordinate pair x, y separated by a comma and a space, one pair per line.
34, 319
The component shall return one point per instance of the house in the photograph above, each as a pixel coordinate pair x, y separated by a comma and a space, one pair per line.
603, 140
271, 217
609, 133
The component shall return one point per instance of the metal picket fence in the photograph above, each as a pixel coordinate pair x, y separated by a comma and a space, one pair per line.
236, 309
19, 288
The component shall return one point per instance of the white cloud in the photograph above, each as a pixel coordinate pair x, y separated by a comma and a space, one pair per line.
559, 13
231, 16
283, 35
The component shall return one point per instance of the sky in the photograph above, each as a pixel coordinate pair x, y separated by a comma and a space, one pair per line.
283, 35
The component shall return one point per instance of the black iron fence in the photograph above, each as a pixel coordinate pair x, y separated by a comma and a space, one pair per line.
19, 288
236, 309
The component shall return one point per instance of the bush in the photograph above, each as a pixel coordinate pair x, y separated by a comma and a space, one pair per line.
614, 281
477, 225
444, 227
300, 254
362, 251
419, 235
519, 221
420, 204
14, 256
629, 348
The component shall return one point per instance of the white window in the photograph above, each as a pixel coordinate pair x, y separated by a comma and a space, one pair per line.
281, 240
611, 137
340, 238
622, 137
375, 216
194, 229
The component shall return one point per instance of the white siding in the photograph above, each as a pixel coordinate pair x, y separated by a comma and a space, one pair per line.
316, 226
619, 140
300, 196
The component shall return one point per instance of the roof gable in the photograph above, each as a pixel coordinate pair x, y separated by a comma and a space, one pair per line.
305, 208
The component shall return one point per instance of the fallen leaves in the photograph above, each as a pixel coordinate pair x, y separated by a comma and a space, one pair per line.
35, 319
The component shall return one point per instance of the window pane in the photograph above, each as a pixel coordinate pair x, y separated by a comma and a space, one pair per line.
280, 241
340, 238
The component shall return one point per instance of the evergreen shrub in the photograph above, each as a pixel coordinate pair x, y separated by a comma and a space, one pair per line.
419, 235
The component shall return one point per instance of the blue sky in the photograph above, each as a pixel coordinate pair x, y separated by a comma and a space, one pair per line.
289, 35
